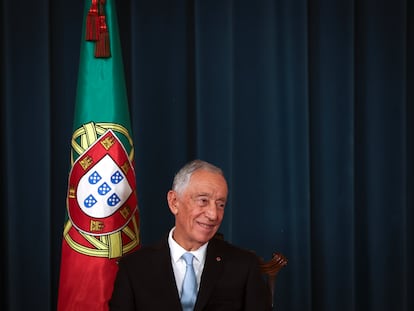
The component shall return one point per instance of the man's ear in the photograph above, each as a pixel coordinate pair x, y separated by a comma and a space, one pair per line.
172, 201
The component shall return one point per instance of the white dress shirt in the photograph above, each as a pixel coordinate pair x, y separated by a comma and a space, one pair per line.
179, 265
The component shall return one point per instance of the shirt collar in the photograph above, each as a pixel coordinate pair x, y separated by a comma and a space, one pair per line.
177, 251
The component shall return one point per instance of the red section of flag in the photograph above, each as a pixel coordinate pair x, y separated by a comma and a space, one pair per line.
90, 288
86, 280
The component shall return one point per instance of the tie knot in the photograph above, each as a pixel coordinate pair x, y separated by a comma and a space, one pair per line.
188, 257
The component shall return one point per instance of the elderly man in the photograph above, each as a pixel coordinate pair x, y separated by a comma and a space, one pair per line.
190, 269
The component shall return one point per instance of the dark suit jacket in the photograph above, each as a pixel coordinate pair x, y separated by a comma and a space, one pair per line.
231, 280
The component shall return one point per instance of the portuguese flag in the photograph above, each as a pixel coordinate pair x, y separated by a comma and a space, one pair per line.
102, 212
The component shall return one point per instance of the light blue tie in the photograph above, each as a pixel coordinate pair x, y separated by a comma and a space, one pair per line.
189, 290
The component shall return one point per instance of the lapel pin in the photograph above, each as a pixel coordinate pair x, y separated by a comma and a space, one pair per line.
218, 258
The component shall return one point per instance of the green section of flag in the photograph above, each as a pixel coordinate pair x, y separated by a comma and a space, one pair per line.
101, 91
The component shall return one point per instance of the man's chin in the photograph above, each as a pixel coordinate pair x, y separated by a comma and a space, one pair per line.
205, 237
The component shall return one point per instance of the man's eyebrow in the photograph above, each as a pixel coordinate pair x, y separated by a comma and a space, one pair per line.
202, 194
209, 195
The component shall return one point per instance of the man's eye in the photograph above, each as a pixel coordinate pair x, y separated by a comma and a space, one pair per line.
202, 201
221, 205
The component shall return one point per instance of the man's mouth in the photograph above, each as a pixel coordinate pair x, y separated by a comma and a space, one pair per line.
206, 226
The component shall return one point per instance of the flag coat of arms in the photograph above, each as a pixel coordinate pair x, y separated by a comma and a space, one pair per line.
102, 221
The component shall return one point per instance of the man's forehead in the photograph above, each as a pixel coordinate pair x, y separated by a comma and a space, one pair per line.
209, 184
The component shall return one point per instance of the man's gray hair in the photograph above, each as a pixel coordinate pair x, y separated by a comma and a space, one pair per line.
182, 178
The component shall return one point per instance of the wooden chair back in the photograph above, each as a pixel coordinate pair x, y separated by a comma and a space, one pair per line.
271, 269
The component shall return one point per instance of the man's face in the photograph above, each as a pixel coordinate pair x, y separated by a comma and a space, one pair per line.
199, 209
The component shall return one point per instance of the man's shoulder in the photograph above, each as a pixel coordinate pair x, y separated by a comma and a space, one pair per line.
225, 247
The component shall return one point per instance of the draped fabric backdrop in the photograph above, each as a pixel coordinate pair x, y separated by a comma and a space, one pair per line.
306, 105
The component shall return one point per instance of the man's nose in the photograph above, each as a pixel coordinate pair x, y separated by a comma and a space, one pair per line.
211, 211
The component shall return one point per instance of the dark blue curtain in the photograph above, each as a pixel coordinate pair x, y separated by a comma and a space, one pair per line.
306, 105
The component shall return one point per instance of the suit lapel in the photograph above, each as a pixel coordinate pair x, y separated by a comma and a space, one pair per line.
211, 272
168, 286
